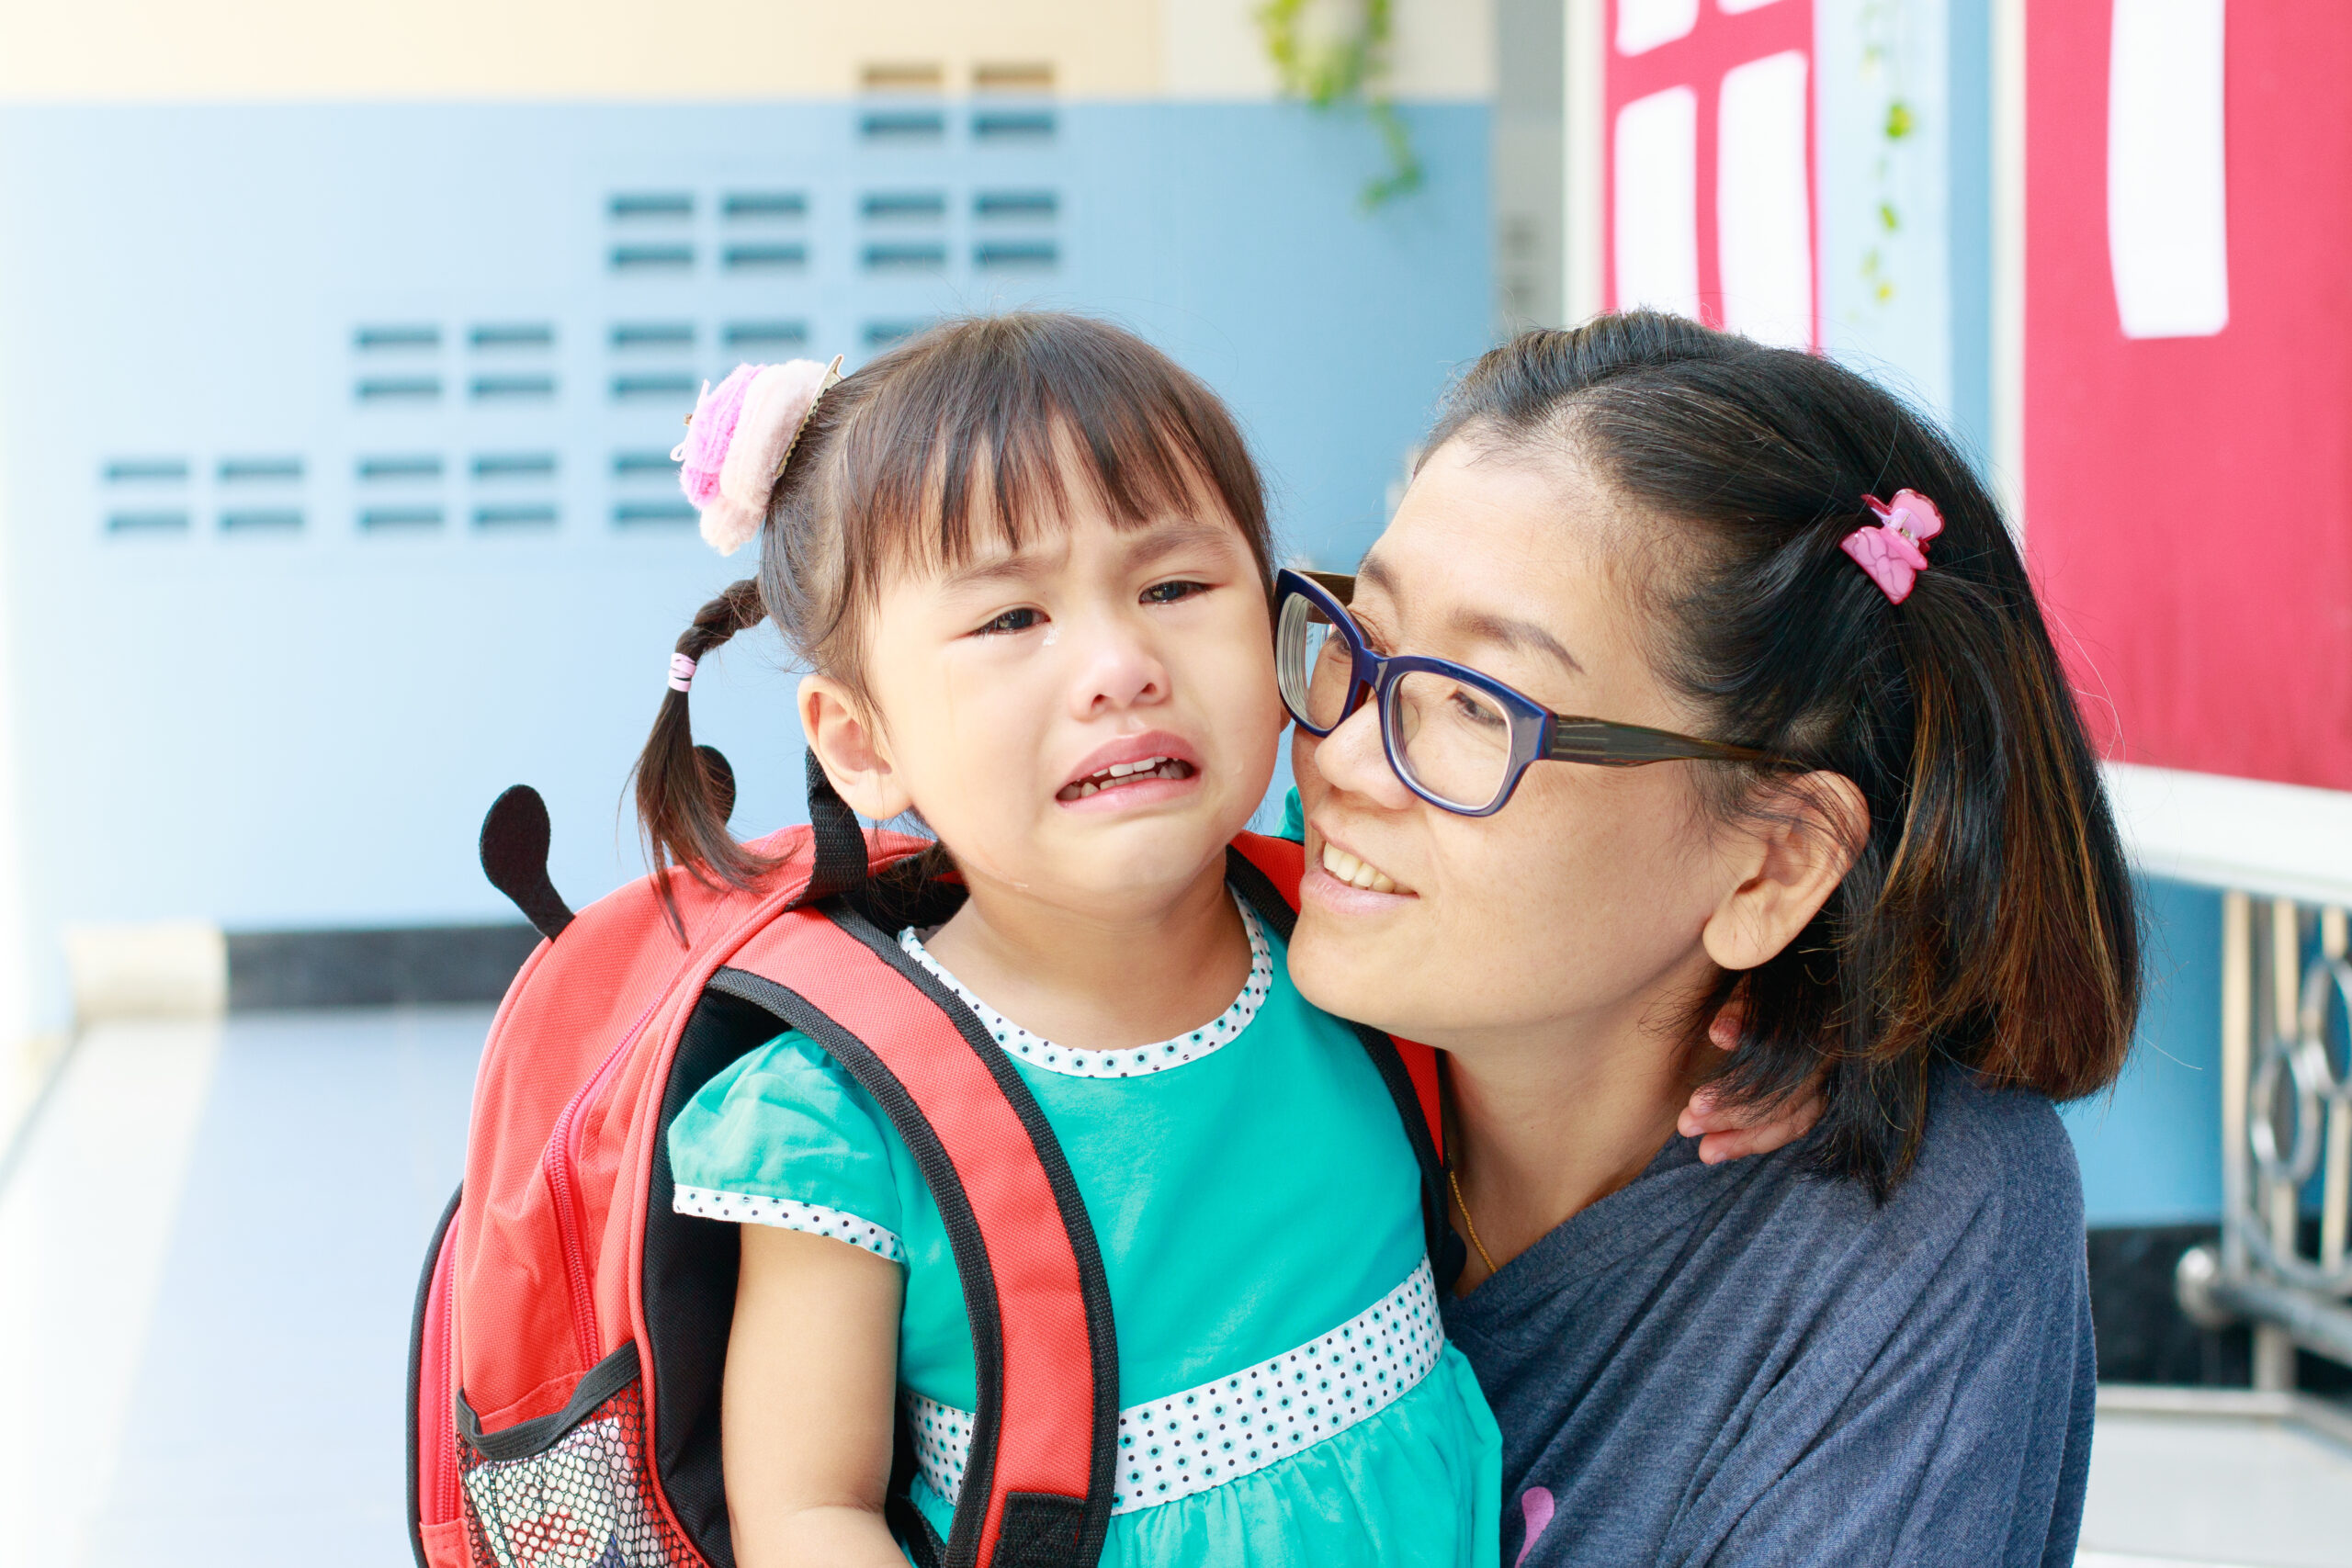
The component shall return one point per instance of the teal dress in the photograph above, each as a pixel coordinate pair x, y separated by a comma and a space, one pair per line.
1286, 1395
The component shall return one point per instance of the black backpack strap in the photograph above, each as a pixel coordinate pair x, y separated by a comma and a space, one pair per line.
839, 844
1037, 1486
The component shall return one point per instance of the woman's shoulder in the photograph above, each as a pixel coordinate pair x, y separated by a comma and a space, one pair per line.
2002, 1152
1996, 1178
1994, 1196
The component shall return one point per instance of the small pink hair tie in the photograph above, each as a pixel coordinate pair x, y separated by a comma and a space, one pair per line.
738, 439
1891, 551
682, 672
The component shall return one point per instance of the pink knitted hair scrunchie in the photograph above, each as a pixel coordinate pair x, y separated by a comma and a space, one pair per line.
738, 440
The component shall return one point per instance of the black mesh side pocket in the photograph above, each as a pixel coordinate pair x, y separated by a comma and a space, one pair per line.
571, 1490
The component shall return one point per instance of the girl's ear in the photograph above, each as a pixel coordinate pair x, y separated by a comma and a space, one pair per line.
850, 750
1800, 847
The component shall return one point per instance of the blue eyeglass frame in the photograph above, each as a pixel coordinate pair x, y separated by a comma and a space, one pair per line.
1538, 734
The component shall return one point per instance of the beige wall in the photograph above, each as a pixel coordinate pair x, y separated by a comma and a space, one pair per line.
1210, 49
244, 50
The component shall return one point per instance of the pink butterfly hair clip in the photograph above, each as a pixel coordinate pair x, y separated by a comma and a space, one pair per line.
1891, 551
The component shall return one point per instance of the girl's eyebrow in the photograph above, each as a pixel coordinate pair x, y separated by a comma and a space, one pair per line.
1010, 566
1160, 540
1153, 542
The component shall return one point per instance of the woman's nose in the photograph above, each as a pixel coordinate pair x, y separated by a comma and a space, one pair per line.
1351, 758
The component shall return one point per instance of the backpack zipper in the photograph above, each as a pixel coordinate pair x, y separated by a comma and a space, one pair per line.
447, 1477
562, 1152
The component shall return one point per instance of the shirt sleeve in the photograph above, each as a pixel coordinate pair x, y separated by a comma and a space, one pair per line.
785, 1137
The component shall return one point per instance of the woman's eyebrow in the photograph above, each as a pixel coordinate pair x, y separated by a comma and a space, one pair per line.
1519, 636
1510, 631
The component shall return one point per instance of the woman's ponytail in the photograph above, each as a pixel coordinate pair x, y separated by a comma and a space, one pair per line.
683, 796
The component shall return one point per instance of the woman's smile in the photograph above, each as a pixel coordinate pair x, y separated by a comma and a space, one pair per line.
1345, 882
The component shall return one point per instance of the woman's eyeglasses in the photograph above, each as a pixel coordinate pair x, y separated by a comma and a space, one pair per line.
1458, 738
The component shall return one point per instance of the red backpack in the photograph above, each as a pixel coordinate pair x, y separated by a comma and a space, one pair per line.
571, 1330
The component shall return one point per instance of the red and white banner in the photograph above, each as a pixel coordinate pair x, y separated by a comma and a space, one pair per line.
1710, 166
2187, 389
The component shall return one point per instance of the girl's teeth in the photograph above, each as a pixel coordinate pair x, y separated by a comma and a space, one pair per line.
1381, 883
1150, 767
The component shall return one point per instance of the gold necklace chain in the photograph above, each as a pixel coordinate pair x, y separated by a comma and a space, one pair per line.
1454, 1180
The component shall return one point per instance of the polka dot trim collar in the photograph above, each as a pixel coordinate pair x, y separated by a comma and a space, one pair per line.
1136, 1060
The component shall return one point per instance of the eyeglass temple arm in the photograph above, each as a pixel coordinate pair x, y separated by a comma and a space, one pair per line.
1631, 745
1339, 585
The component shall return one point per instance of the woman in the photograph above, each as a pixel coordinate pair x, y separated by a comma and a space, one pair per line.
1874, 827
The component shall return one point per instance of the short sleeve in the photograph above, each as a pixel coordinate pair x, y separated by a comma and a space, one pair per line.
785, 1137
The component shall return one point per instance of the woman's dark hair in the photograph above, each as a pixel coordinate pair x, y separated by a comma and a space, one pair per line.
1989, 917
960, 436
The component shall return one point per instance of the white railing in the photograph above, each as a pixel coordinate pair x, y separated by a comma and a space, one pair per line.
2282, 858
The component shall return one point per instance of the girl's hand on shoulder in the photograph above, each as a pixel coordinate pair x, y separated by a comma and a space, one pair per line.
1735, 1132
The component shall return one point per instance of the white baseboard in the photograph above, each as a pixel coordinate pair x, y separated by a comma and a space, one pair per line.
158, 969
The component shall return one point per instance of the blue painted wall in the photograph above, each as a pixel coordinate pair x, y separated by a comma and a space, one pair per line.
271, 693
2151, 1147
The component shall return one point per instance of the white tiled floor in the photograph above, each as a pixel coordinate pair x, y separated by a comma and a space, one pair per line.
2171, 1491
208, 1251
208, 1256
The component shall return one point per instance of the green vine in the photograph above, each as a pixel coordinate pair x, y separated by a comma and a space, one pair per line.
1350, 65
1882, 62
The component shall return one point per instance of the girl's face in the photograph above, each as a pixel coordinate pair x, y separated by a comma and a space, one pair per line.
1087, 719
1586, 896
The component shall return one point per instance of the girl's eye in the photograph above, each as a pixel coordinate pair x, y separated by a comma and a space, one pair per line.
1020, 620
1170, 592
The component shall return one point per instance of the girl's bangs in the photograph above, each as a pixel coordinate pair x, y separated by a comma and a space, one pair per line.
960, 452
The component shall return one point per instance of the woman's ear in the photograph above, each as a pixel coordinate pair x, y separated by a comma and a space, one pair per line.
1797, 848
849, 747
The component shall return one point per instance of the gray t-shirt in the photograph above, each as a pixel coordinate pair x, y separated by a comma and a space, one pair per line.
1743, 1364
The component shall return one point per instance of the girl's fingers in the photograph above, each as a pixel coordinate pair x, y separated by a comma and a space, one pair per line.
1727, 1132
1733, 1141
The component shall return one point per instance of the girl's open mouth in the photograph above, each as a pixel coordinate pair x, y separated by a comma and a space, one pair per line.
1121, 776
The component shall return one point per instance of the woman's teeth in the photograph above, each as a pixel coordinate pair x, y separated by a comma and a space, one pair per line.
1126, 772
1355, 873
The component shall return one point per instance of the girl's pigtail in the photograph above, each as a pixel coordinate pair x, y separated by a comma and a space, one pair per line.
682, 797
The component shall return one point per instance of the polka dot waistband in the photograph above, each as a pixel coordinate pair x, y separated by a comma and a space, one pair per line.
1136, 1060
1220, 1431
